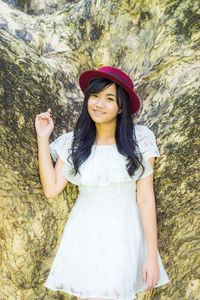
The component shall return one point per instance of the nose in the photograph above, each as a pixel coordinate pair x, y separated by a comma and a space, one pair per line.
100, 102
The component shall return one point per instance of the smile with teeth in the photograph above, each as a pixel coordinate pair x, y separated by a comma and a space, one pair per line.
98, 112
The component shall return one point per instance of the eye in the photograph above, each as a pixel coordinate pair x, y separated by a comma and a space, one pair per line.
94, 95
112, 99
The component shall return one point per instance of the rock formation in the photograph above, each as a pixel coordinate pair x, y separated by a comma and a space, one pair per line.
44, 47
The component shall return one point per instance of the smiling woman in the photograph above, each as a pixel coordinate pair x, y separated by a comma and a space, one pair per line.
103, 109
109, 244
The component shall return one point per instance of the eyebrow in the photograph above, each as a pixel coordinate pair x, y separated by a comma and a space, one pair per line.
111, 95
108, 94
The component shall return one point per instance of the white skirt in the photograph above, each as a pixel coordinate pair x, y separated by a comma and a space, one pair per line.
103, 247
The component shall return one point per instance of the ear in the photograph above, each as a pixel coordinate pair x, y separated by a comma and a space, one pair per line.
120, 111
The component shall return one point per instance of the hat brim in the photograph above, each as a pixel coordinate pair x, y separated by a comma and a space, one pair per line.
86, 76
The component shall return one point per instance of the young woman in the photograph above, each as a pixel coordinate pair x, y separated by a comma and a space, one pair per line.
109, 244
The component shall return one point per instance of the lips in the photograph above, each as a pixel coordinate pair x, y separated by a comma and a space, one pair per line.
99, 112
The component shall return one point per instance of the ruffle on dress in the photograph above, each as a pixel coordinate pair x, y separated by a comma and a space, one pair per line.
146, 141
58, 146
105, 165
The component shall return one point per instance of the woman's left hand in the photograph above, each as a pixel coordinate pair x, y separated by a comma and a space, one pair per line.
151, 272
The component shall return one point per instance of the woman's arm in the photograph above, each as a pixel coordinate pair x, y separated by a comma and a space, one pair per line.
147, 206
52, 179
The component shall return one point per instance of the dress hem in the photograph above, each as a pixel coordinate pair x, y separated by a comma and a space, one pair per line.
163, 282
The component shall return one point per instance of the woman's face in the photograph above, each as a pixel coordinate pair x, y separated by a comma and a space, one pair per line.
102, 106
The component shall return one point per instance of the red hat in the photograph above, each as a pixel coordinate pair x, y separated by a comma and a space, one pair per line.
116, 76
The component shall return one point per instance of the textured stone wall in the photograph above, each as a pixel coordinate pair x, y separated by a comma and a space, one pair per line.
156, 43
39, 7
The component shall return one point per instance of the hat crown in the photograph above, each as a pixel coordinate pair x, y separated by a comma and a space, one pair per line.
119, 74
115, 75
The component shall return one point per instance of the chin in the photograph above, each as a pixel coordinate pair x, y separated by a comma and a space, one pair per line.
102, 121
98, 120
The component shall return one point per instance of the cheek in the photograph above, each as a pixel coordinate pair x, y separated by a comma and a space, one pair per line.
114, 109
90, 106
90, 103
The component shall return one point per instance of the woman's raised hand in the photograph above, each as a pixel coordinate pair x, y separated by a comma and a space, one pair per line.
44, 124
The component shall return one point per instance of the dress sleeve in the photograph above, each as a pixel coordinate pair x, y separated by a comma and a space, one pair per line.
58, 148
147, 170
146, 141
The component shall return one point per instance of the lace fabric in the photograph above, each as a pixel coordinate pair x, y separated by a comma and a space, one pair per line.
105, 165
103, 247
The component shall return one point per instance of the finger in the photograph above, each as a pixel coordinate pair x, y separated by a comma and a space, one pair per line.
156, 278
147, 288
154, 283
44, 115
150, 283
144, 277
49, 110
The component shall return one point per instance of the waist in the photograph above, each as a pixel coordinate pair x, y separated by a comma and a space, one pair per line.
128, 188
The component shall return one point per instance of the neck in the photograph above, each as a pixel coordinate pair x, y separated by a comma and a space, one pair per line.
105, 133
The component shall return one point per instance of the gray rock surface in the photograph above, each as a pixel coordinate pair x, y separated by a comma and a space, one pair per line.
41, 56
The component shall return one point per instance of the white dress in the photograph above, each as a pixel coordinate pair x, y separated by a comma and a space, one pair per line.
103, 247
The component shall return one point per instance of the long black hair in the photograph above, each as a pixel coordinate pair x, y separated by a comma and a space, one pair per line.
85, 130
